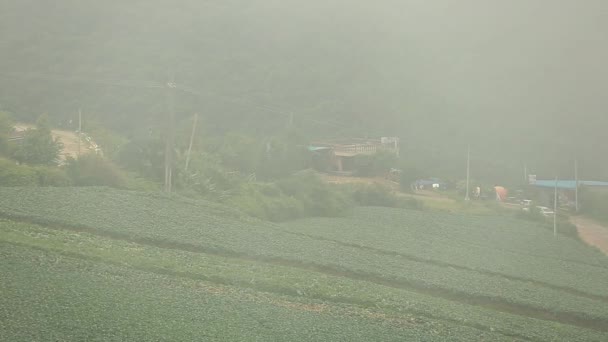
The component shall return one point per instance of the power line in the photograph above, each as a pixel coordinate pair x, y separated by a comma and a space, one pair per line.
232, 99
62, 78
289, 114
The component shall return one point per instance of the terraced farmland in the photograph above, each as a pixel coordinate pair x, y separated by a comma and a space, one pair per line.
494, 275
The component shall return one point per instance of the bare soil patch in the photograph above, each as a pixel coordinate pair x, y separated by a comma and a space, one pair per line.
592, 232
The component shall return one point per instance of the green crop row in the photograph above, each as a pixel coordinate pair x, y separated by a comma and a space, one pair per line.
208, 228
381, 300
514, 248
48, 297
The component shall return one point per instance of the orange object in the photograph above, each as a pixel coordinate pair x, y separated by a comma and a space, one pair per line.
501, 193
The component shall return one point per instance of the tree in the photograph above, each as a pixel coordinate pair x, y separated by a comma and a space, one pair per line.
94, 170
377, 164
145, 156
6, 127
409, 174
38, 146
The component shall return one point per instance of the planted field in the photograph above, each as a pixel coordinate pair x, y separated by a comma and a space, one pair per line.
49, 297
496, 245
506, 267
375, 300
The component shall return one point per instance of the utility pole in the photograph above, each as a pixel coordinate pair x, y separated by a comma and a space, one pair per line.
191, 141
170, 131
79, 130
555, 210
576, 185
467, 197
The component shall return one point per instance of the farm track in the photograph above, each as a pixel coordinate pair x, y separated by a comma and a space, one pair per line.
492, 303
591, 232
458, 267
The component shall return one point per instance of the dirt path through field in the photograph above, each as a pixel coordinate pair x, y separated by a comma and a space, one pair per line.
593, 233
69, 140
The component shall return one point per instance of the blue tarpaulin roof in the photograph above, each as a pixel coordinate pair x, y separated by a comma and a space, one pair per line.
567, 184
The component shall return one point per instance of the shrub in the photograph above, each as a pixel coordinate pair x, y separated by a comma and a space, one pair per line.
266, 201
12, 174
38, 146
377, 164
595, 204
317, 197
409, 174
294, 197
377, 195
94, 170
6, 126
374, 195
51, 176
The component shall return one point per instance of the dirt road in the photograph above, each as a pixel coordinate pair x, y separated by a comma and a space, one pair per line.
69, 140
592, 232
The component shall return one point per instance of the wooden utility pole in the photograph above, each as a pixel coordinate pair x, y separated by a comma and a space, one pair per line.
467, 197
79, 130
191, 141
170, 131
576, 185
555, 209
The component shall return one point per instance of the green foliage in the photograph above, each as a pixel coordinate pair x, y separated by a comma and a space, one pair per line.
273, 280
144, 155
301, 195
267, 201
564, 227
238, 152
6, 126
409, 174
12, 174
65, 298
206, 176
38, 146
52, 176
281, 158
110, 141
137, 183
94, 170
318, 198
524, 250
377, 195
456, 255
377, 164
595, 204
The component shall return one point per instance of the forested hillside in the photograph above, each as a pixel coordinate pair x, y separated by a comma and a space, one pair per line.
520, 82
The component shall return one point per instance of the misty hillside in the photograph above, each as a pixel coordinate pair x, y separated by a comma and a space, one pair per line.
519, 81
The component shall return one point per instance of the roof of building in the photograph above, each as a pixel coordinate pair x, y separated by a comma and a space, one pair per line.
318, 148
568, 184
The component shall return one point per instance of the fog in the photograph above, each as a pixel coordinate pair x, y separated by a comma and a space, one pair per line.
522, 81
303, 170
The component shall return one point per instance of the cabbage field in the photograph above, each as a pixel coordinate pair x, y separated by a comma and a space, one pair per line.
492, 274
53, 298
